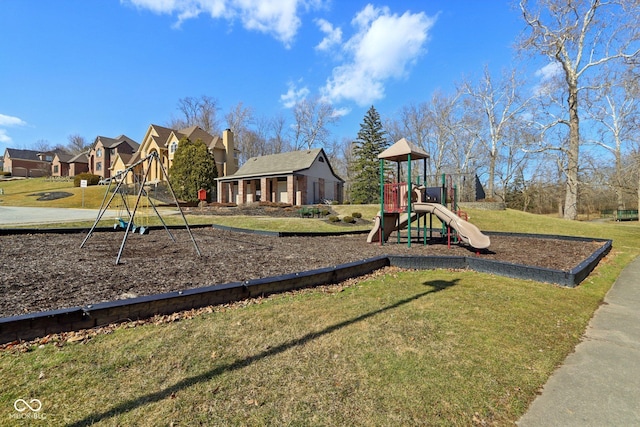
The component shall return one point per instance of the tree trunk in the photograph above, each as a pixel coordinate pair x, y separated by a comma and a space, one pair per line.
492, 175
573, 153
619, 195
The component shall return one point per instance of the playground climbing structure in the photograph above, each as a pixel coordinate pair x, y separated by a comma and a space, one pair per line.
404, 203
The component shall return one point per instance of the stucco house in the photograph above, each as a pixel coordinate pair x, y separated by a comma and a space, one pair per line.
165, 141
27, 163
65, 164
296, 177
104, 150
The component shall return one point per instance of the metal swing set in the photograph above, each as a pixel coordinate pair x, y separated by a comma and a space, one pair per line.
128, 224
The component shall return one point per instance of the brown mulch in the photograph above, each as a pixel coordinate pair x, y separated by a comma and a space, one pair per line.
41, 272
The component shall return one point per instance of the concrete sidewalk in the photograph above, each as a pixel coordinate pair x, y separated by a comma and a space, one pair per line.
599, 384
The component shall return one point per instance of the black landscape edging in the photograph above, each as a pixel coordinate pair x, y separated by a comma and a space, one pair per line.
33, 325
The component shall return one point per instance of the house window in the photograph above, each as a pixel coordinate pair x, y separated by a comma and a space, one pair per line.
99, 166
113, 151
321, 159
55, 168
99, 152
174, 147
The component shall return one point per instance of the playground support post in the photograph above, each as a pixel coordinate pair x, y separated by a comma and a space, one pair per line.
409, 197
381, 202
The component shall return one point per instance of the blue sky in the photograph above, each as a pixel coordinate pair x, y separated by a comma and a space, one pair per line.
109, 67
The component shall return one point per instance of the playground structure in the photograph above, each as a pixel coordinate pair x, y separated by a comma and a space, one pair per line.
403, 203
140, 180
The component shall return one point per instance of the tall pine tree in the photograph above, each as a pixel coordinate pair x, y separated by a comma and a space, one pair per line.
365, 168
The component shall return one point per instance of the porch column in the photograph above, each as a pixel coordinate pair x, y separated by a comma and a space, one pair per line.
264, 191
241, 191
222, 196
291, 185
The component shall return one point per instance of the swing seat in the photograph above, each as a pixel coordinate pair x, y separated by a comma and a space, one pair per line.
143, 230
124, 224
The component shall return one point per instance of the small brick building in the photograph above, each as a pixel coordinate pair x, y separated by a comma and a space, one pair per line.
296, 177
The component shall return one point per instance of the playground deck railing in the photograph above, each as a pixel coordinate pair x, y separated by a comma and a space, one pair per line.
395, 197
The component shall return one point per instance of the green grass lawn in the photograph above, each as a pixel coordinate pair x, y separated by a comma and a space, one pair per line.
437, 347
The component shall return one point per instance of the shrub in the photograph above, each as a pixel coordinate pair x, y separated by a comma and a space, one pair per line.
356, 215
348, 219
4, 173
333, 218
335, 202
324, 212
91, 179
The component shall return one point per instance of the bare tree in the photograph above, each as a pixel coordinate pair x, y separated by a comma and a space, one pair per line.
580, 36
278, 141
202, 112
77, 144
617, 113
499, 104
239, 119
312, 118
441, 131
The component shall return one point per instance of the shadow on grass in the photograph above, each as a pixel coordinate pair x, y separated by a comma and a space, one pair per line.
436, 285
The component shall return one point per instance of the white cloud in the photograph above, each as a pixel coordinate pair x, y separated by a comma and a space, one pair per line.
8, 121
384, 47
293, 95
549, 71
278, 18
333, 36
3, 136
11, 121
549, 75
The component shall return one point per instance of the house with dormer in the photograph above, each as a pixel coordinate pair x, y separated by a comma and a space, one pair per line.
104, 150
298, 177
165, 141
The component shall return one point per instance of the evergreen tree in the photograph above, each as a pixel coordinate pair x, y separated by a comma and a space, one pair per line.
193, 168
371, 141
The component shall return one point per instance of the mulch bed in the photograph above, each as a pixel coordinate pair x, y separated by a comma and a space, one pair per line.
41, 272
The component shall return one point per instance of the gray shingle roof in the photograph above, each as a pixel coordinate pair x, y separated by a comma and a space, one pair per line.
277, 164
23, 154
114, 142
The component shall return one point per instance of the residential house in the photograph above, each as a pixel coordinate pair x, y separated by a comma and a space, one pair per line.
104, 150
164, 141
65, 164
27, 163
297, 177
